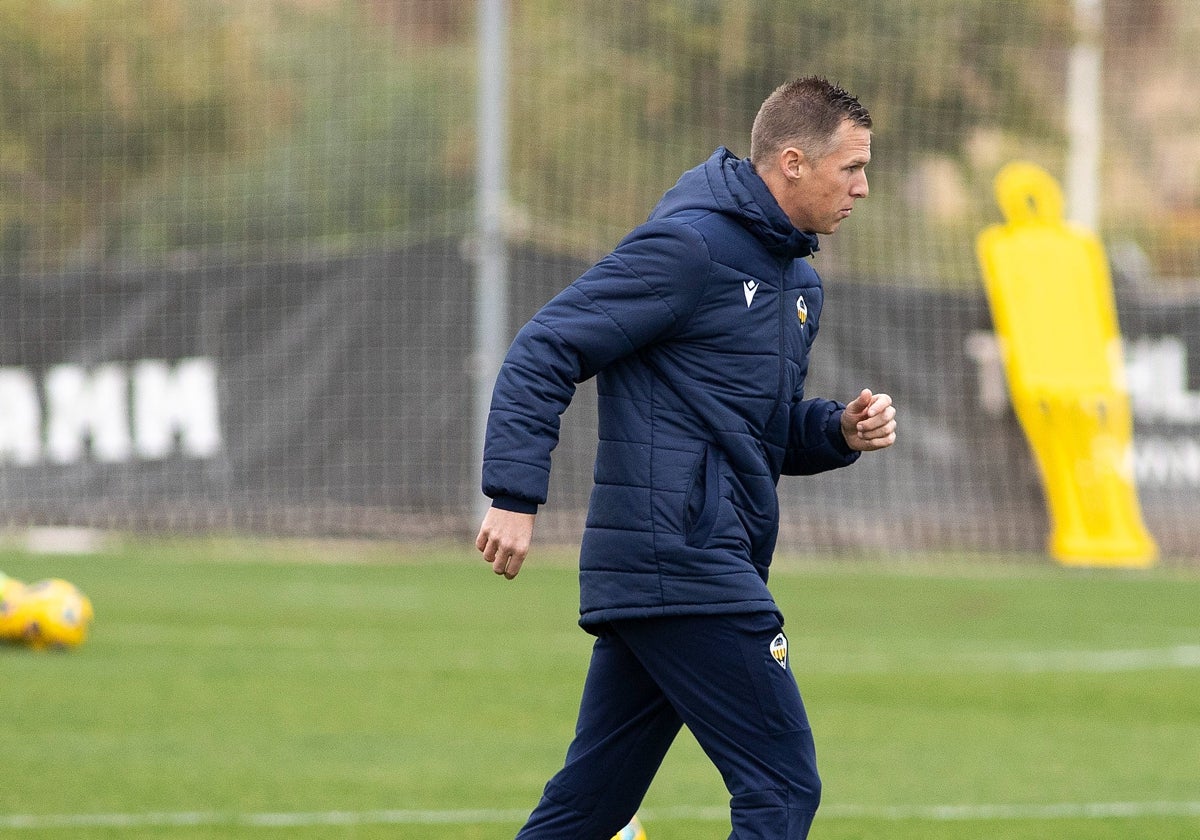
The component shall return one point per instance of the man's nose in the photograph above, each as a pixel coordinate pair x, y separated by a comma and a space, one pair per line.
859, 188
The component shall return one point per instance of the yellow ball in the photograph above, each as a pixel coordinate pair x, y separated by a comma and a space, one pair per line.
12, 591
53, 614
633, 831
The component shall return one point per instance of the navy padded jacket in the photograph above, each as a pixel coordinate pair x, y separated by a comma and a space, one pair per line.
698, 328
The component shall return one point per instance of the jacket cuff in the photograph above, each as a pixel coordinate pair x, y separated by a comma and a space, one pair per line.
834, 431
511, 503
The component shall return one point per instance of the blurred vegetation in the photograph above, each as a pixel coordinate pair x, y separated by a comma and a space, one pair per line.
139, 130
355, 149
136, 129
97, 95
664, 83
608, 113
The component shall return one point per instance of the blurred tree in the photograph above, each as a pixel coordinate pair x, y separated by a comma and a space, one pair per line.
132, 129
95, 94
371, 138
367, 101
639, 90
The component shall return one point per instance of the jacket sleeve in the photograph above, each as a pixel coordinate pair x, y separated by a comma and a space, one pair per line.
638, 294
815, 439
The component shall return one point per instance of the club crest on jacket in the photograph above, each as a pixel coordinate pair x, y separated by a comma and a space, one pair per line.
779, 650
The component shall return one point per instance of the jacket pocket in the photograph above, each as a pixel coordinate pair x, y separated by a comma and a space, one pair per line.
769, 672
703, 499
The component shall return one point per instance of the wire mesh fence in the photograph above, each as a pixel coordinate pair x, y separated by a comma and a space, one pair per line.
283, 194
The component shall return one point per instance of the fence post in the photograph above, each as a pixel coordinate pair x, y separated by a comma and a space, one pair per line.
491, 252
1083, 115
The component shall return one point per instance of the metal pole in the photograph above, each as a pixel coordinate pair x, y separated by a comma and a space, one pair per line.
1083, 116
491, 287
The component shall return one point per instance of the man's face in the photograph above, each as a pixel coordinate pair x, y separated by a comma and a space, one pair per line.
821, 193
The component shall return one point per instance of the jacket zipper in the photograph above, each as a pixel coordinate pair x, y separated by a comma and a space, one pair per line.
780, 376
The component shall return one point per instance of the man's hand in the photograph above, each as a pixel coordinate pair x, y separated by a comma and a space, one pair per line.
869, 422
504, 539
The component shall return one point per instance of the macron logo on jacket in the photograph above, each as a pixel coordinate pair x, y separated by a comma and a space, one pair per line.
751, 288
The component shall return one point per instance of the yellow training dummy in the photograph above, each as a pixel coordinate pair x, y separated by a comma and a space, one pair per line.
1050, 293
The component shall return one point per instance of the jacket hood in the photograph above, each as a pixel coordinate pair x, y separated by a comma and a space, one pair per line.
728, 184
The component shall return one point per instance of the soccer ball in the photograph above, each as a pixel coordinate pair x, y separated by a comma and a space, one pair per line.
53, 614
11, 593
633, 831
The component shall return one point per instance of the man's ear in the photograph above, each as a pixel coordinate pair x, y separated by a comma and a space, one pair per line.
792, 162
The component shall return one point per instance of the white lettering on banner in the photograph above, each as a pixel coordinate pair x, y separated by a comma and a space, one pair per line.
1156, 375
1166, 461
90, 411
81, 406
984, 349
20, 418
183, 400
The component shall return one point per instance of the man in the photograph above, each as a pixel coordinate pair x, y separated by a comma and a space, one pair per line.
698, 328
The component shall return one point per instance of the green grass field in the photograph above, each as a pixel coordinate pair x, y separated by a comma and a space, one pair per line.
269, 690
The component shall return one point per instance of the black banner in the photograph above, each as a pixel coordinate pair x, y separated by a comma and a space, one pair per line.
333, 396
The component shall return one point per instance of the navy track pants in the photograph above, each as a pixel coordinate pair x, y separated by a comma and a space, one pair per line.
720, 675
